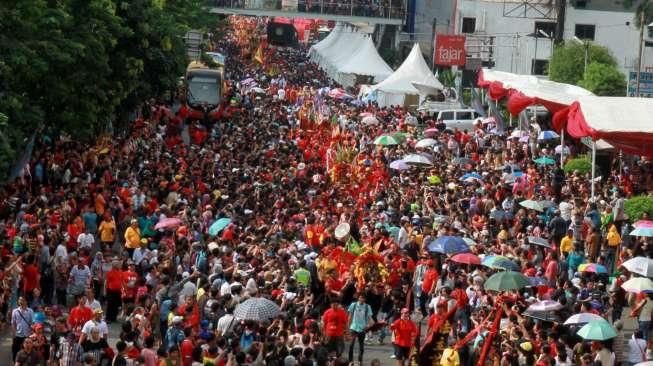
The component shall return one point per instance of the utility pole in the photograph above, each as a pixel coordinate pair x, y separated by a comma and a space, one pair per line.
641, 48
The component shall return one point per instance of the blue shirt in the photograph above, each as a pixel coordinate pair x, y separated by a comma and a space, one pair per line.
22, 321
90, 221
360, 315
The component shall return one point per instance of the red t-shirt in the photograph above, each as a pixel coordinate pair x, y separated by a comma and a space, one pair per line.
79, 316
186, 350
30, 278
335, 322
405, 331
430, 277
128, 282
114, 280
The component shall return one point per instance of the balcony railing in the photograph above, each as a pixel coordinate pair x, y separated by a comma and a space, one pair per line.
386, 9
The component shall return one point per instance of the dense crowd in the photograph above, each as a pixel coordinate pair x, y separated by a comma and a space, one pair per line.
216, 243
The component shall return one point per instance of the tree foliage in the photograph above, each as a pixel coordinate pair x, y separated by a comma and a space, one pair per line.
568, 61
582, 165
636, 207
75, 65
605, 80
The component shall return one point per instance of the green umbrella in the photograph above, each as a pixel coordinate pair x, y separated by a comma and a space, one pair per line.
544, 160
434, 180
219, 225
508, 280
400, 136
386, 140
597, 330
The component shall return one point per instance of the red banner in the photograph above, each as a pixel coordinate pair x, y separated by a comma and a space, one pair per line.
449, 50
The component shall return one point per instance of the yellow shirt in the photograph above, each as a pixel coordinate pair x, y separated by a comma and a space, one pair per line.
450, 357
613, 237
107, 229
132, 238
566, 244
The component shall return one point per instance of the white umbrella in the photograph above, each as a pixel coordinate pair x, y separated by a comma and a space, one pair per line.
638, 284
370, 120
582, 318
416, 159
426, 142
545, 305
640, 265
558, 150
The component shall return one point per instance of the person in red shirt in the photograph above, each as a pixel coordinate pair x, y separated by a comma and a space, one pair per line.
186, 347
128, 281
430, 277
405, 332
79, 315
113, 287
190, 311
335, 321
31, 277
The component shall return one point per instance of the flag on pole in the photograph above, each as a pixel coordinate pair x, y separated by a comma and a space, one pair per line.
258, 55
477, 104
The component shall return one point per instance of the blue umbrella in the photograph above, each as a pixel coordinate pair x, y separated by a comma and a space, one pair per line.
471, 176
547, 135
448, 245
219, 225
499, 262
642, 231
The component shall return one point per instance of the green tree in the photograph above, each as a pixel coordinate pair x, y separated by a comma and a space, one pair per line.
568, 61
605, 80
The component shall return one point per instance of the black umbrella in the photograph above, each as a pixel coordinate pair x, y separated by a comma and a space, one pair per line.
539, 241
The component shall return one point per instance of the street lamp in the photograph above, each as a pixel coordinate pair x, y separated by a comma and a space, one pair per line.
586, 45
641, 49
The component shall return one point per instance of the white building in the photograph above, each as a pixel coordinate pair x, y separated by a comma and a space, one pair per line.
507, 32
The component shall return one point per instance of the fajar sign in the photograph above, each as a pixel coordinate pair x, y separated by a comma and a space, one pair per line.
449, 50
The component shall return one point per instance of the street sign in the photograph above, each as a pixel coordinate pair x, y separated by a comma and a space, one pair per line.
645, 84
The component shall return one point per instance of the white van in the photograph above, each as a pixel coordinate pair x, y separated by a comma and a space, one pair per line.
462, 119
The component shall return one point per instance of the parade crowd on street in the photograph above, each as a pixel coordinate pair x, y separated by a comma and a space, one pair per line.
289, 231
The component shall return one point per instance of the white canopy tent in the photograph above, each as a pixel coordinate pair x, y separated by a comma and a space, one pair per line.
316, 49
343, 51
366, 61
394, 89
331, 47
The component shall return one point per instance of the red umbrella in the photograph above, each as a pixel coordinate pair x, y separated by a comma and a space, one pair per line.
466, 258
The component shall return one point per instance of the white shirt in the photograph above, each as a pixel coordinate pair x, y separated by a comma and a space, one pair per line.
86, 240
225, 289
94, 305
61, 254
102, 326
402, 237
225, 323
636, 350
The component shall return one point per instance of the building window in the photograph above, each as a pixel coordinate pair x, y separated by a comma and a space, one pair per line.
585, 31
469, 25
546, 27
540, 67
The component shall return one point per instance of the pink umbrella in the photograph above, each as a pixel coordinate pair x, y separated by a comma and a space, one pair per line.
167, 223
644, 224
430, 132
366, 114
339, 94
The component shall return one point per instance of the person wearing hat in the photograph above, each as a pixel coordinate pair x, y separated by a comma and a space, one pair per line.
96, 322
175, 334
132, 237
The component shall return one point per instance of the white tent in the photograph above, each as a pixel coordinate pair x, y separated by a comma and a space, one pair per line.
331, 49
395, 88
343, 51
366, 61
314, 51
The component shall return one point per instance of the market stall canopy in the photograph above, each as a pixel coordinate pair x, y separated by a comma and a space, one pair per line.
624, 123
413, 70
525, 90
366, 61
